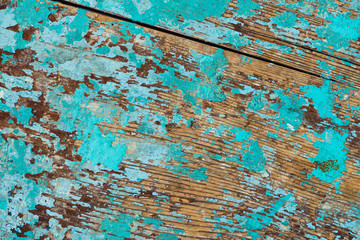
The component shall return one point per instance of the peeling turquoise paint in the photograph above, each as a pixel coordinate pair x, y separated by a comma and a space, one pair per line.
153, 11
252, 156
323, 99
334, 30
119, 166
78, 27
120, 227
167, 236
290, 113
331, 159
247, 8
100, 149
286, 20
257, 102
195, 174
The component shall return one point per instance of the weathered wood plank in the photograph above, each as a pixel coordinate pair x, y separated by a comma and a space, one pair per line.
318, 37
114, 131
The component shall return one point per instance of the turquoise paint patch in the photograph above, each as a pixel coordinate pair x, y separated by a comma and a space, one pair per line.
103, 50
285, 20
120, 227
323, 98
256, 103
24, 115
176, 152
199, 174
15, 156
254, 159
247, 8
78, 27
211, 94
5, 58
135, 174
244, 91
167, 236
341, 30
154, 11
212, 67
100, 148
207, 87
260, 217
331, 159
290, 111
252, 154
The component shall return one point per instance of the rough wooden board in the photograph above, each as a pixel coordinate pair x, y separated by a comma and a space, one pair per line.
110, 131
315, 36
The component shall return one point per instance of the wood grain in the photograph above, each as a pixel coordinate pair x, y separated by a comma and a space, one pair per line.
110, 130
314, 36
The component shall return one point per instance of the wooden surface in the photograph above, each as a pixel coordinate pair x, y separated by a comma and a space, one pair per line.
316, 36
111, 130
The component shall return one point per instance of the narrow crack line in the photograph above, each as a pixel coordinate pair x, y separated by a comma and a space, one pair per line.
191, 38
304, 46
307, 48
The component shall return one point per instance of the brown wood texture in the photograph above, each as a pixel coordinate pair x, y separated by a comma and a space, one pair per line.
218, 145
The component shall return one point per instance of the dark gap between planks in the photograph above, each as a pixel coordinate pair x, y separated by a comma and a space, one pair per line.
157, 28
